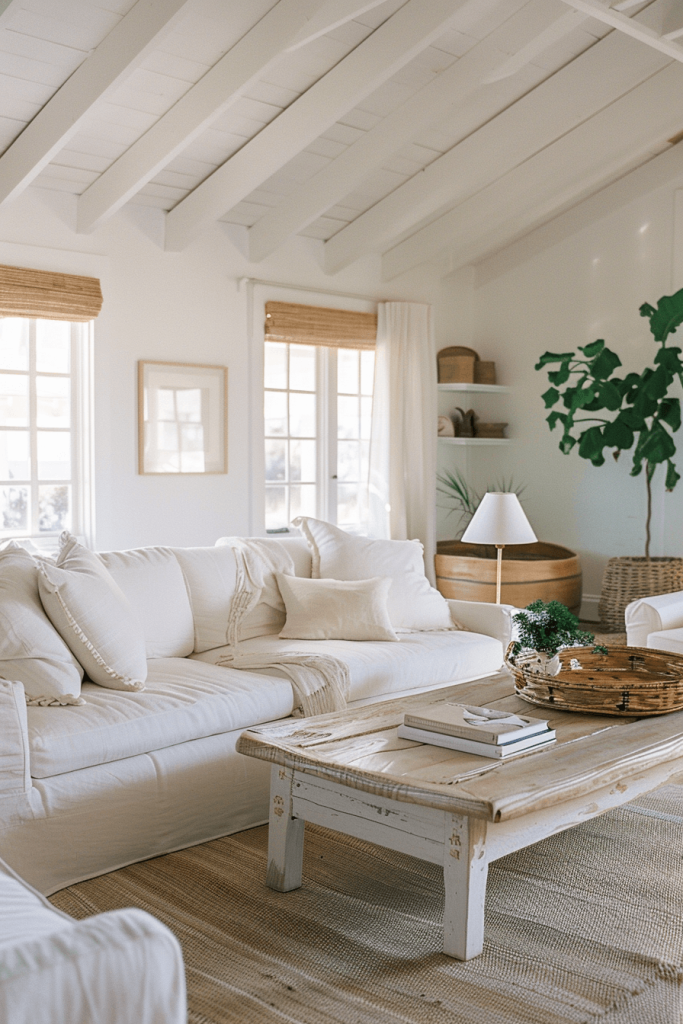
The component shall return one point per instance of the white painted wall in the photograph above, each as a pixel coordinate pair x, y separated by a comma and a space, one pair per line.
588, 285
182, 307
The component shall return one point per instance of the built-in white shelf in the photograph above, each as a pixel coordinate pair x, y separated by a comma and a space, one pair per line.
482, 389
475, 440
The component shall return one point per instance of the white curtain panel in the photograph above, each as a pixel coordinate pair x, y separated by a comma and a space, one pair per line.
404, 416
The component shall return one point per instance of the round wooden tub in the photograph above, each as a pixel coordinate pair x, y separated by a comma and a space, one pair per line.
530, 571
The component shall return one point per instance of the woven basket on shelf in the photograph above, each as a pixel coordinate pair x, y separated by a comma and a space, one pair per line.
627, 579
628, 681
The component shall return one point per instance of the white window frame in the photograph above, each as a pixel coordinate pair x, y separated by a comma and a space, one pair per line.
82, 447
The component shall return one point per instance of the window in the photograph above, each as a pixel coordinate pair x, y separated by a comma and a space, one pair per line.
44, 471
318, 409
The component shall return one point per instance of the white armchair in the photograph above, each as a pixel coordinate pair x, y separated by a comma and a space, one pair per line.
112, 968
656, 622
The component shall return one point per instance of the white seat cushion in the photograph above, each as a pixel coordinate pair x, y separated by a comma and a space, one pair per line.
183, 700
153, 582
25, 914
667, 640
377, 667
652, 615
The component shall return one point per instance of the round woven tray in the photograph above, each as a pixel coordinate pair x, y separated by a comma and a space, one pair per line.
627, 681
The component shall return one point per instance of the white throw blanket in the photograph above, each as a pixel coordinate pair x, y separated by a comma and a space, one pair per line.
320, 681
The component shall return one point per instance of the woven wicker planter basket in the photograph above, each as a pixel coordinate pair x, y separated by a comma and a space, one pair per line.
627, 579
628, 681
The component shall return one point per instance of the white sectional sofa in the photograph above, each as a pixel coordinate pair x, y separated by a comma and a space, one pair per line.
111, 968
656, 622
131, 775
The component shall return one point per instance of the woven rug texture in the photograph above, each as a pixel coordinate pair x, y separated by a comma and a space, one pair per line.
586, 926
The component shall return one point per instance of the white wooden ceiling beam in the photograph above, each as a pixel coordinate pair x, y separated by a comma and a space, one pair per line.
560, 28
592, 80
331, 15
427, 107
7, 9
119, 53
409, 31
631, 27
617, 139
213, 94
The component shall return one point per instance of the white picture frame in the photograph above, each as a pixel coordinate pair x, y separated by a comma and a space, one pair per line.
182, 418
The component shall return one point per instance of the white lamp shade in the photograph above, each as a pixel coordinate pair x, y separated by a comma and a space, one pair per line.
499, 519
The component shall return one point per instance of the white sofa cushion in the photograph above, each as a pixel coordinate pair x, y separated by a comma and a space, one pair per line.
93, 617
376, 668
31, 650
666, 640
154, 585
335, 609
413, 603
183, 700
652, 614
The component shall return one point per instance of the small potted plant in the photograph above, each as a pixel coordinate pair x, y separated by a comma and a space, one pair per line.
546, 629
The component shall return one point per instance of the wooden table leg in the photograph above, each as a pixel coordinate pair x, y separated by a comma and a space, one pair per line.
465, 869
285, 834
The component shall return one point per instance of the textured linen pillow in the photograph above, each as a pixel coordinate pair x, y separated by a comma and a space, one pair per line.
412, 603
335, 609
93, 617
31, 650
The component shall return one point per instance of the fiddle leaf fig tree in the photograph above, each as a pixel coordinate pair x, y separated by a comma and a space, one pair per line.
598, 410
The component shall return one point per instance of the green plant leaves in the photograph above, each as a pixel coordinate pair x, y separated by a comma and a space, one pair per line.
594, 349
550, 397
667, 317
605, 364
618, 434
591, 444
553, 357
672, 476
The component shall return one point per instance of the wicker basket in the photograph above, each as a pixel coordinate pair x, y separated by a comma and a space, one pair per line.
632, 681
627, 579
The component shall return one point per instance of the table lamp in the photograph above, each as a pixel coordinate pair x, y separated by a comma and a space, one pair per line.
499, 520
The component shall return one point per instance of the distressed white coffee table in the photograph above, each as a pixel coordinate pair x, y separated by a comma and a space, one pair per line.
350, 772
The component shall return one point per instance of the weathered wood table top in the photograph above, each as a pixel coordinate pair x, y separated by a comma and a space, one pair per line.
360, 748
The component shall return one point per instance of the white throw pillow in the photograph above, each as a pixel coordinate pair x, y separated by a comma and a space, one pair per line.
31, 650
413, 604
335, 609
91, 614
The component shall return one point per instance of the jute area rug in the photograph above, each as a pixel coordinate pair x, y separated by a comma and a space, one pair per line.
584, 926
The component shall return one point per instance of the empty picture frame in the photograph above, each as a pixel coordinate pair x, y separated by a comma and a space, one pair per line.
182, 418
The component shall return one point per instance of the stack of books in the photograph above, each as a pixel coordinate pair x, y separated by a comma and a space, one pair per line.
475, 730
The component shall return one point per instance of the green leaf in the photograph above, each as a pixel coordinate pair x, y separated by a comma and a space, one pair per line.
550, 397
618, 435
670, 359
555, 418
667, 317
591, 444
559, 376
605, 364
670, 413
644, 405
631, 418
609, 395
658, 384
656, 445
672, 476
582, 397
567, 443
553, 357
593, 349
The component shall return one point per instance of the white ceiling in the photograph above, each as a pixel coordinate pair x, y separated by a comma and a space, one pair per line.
419, 129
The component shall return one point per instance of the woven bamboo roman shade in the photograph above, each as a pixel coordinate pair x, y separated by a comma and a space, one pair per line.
317, 325
47, 295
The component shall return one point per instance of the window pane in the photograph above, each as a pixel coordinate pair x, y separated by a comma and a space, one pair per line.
276, 460
14, 507
275, 365
15, 460
347, 370
302, 367
348, 420
302, 500
54, 508
275, 411
302, 464
13, 400
54, 455
14, 343
53, 346
367, 372
366, 418
348, 460
302, 415
53, 401
276, 508
188, 405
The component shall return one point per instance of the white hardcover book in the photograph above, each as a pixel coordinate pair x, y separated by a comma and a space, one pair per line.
484, 725
494, 750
